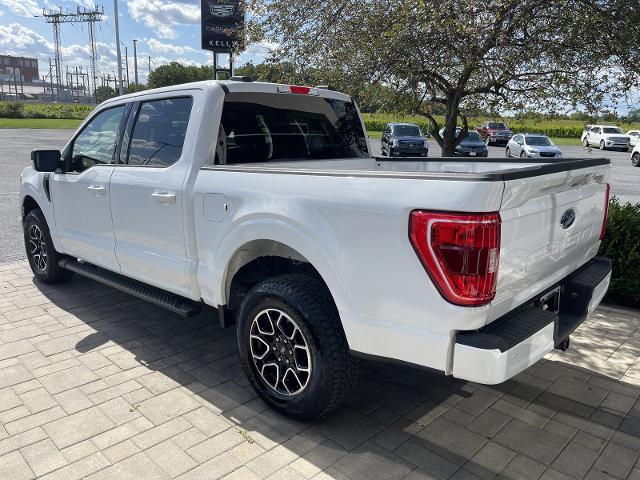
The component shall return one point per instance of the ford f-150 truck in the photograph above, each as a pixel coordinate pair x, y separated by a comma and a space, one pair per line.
263, 202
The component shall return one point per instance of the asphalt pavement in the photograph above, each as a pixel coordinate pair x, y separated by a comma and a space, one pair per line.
15, 146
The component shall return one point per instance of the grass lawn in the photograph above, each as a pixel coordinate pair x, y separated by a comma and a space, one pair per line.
558, 141
58, 123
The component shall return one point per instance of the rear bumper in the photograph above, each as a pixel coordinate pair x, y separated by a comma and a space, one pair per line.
507, 346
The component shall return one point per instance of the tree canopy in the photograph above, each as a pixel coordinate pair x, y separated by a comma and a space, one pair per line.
463, 55
175, 73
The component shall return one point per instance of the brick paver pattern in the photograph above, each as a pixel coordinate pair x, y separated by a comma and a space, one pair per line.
96, 384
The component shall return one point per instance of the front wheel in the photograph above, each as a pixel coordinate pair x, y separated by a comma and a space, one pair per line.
523, 154
635, 159
507, 153
43, 257
602, 145
585, 142
293, 349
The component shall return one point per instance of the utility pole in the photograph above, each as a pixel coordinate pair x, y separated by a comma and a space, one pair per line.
117, 25
135, 62
126, 62
149, 64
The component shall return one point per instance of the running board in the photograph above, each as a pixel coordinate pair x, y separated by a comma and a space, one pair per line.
177, 304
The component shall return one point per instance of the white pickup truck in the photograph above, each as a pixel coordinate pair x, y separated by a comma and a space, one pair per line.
263, 201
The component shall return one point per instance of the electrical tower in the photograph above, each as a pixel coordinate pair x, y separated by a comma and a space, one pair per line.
81, 15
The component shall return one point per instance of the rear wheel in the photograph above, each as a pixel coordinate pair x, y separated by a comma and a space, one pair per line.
292, 347
43, 257
635, 159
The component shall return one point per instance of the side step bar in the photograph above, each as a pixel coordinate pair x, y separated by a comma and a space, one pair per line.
177, 304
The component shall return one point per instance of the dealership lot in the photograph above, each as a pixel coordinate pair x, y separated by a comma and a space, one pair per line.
15, 146
97, 384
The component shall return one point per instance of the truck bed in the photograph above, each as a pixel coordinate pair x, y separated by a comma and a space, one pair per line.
485, 169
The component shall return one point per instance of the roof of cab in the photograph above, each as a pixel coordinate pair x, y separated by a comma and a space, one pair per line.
227, 86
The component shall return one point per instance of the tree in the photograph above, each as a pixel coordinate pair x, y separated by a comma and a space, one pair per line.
135, 87
103, 93
463, 55
175, 73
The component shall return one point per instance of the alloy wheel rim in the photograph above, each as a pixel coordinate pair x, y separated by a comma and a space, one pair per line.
38, 248
280, 352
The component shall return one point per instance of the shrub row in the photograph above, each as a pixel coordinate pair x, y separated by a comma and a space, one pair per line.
621, 244
44, 110
553, 128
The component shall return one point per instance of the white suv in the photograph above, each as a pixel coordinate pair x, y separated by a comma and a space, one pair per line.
605, 137
635, 155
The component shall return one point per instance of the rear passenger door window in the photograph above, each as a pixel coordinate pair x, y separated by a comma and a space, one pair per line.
159, 131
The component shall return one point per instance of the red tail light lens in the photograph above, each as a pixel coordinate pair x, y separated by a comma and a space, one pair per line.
460, 253
606, 211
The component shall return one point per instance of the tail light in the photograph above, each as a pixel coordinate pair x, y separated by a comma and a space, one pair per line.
460, 252
606, 210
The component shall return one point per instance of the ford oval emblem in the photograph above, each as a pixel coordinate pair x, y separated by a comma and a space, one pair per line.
567, 218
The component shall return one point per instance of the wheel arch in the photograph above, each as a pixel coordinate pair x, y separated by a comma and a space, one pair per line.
259, 259
29, 203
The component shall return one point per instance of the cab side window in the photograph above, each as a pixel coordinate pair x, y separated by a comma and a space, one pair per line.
96, 143
159, 131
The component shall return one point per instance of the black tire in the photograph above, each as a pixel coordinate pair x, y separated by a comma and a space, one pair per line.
507, 152
635, 159
523, 154
333, 371
585, 142
602, 145
43, 257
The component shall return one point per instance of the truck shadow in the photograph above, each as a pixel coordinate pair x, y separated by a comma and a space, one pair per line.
555, 419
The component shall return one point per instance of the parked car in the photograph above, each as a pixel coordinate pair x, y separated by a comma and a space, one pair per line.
404, 139
635, 155
472, 145
494, 132
526, 145
634, 137
263, 201
605, 137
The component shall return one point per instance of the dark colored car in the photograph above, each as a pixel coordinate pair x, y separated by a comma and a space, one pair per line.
404, 139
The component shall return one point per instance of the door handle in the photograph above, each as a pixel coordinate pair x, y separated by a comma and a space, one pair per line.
96, 189
164, 197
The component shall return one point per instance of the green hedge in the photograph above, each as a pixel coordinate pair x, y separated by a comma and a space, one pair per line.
45, 110
559, 128
621, 244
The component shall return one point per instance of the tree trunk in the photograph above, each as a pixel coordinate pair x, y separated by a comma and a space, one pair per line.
450, 123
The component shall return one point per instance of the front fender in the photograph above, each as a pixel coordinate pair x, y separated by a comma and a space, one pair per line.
31, 185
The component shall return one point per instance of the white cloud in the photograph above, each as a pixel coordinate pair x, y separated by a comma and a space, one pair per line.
16, 39
24, 8
159, 15
257, 52
167, 48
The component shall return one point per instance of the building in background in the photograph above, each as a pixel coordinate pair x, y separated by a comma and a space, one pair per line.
18, 68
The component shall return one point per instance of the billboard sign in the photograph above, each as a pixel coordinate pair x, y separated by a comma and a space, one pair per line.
221, 23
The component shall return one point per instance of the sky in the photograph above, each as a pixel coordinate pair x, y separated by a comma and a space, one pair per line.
166, 31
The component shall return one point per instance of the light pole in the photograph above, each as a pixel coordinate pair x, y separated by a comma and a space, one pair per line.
115, 11
135, 62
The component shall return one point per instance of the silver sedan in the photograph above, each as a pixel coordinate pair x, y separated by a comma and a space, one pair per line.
525, 145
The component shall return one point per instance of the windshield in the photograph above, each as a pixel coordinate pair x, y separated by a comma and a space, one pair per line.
472, 137
498, 126
538, 141
612, 130
259, 127
406, 131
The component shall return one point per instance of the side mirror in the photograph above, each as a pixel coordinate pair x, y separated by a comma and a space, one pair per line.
46, 160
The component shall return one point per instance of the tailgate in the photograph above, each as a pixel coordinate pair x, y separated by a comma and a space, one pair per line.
540, 244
